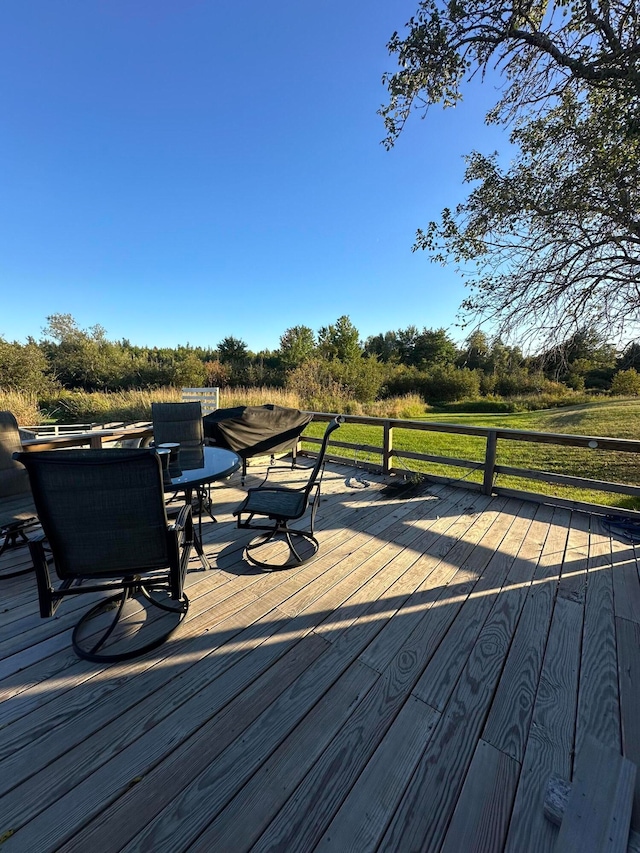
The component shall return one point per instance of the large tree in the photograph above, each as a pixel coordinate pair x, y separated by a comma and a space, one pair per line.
297, 345
552, 242
339, 341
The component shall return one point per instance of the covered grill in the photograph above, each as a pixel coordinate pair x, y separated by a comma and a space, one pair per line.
256, 430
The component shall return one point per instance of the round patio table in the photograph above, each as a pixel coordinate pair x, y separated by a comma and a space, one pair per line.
198, 467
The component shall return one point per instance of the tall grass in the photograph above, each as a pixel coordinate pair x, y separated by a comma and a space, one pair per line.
24, 406
258, 397
97, 407
132, 406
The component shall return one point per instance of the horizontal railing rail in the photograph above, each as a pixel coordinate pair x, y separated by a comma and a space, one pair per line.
95, 438
40, 430
488, 466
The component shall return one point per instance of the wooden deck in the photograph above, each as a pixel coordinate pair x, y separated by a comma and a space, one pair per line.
412, 688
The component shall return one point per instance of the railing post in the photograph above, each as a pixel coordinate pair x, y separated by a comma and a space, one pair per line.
490, 462
387, 447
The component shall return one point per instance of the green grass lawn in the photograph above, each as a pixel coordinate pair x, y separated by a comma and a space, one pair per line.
618, 419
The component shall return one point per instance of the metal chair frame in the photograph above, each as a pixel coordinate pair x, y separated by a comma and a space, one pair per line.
282, 505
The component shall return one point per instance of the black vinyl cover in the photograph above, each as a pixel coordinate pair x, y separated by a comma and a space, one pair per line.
255, 430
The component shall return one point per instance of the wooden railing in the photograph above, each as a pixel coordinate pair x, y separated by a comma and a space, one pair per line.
95, 438
389, 455
488, 467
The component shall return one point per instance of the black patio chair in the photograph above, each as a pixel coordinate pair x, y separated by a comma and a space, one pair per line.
106, 529
281, 505
181, 423
17, 511
178, 422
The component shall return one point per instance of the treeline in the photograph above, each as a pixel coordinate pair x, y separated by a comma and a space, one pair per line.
332, 363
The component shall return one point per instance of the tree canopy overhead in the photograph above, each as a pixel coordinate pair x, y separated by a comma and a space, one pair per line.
550, 243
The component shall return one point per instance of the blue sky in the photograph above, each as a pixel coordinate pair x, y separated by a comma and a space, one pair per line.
183, 170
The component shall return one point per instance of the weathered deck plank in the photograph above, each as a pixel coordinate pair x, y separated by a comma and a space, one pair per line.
410, 688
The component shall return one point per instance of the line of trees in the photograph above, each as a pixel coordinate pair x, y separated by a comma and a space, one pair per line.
333, 360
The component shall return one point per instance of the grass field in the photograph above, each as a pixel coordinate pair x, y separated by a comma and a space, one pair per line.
618, 419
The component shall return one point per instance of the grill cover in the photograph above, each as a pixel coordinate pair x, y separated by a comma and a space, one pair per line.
255, 430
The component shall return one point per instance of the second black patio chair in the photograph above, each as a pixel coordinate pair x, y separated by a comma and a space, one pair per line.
181, 423
17, 511
106, 530
281, 505
178, 422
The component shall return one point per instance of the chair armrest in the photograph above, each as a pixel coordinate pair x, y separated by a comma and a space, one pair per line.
182, 519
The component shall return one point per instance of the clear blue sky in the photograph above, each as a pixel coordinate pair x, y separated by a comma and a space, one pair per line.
183, 170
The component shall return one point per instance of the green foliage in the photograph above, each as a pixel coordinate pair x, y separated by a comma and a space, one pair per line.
339, 341
476, 351
413, 348
23, 367
313, 382
626, 383
433, 347
232, 350
297, 345
394, 364
630, 357
188, 371
361, 378
448, 383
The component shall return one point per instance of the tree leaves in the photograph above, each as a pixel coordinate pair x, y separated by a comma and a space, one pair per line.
554, 238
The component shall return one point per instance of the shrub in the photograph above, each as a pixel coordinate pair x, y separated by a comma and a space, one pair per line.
448, 384
361, 378
626, 383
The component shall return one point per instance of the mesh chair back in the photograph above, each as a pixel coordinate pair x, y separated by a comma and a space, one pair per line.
13, 477
102, 511
178, 422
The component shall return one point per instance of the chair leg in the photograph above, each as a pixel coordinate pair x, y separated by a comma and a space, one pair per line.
93, 653
287, 535
11, 541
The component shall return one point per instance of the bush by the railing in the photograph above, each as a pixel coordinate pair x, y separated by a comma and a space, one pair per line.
519, 383
441, 384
